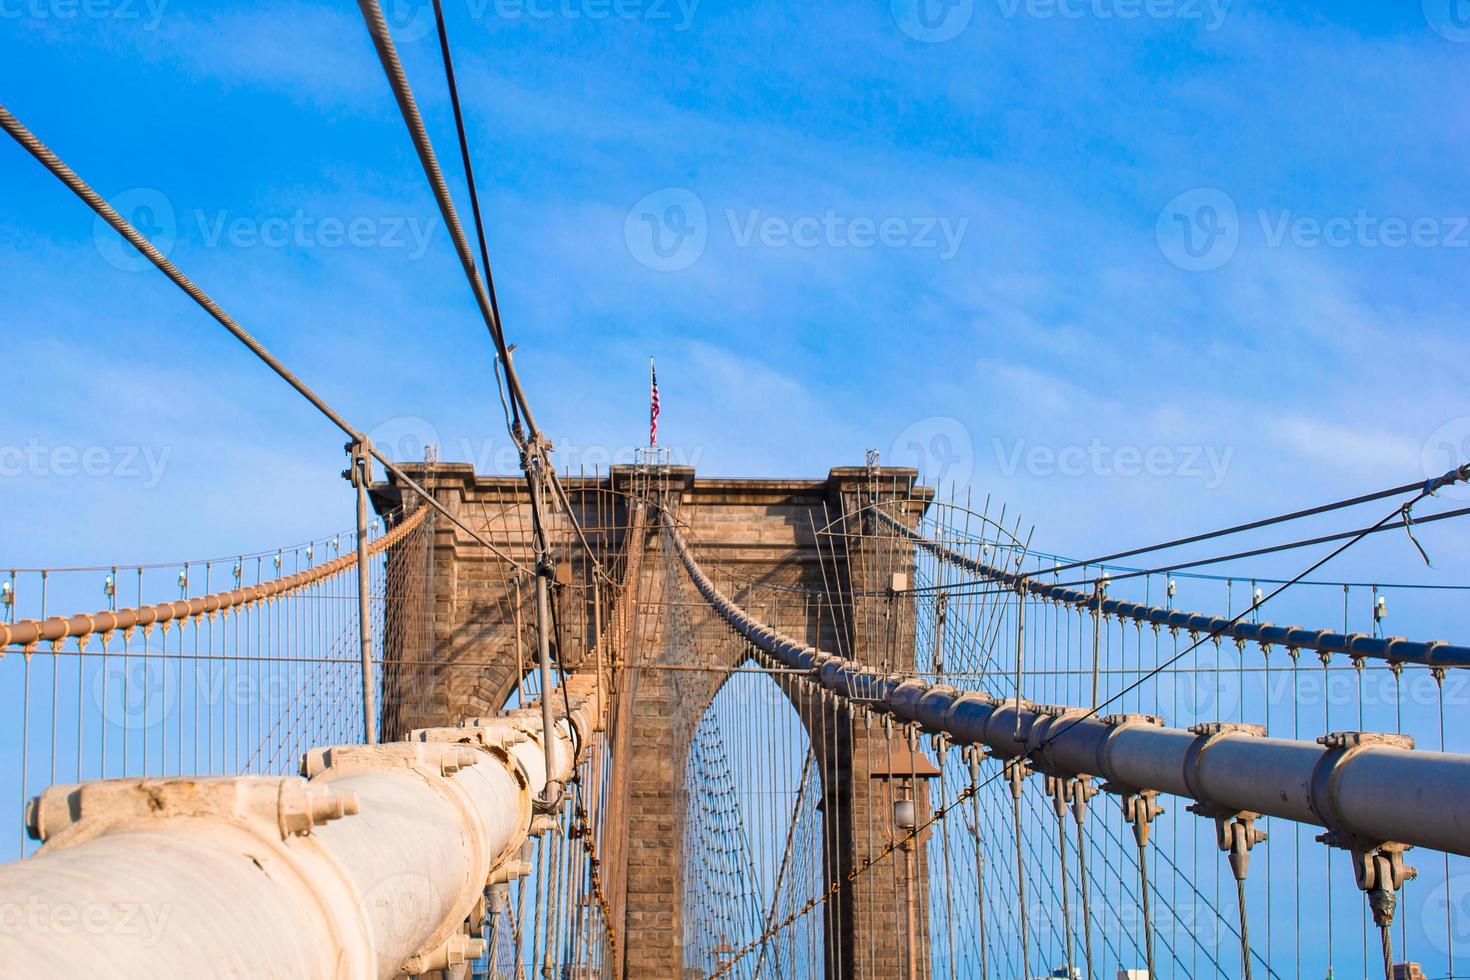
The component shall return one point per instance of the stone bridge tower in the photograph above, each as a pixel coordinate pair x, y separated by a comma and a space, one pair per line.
764, 531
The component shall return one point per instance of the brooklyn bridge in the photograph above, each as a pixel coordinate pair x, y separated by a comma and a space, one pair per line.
646, 722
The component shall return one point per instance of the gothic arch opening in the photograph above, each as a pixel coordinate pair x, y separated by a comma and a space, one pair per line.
753, 836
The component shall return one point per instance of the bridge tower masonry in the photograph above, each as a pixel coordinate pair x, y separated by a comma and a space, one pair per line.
808, 534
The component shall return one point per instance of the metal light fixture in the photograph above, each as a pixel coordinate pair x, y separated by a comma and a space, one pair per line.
904, 815
902, 764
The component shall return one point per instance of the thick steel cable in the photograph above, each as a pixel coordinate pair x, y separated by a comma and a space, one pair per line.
382, 38
1059, 805
531, 441
52, 162
1245, 930
469, 176
92, 199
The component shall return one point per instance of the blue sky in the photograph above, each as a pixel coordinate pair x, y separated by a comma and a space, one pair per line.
895, 242
956, 238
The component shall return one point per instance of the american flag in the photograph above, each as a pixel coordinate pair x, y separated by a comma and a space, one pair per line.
652, 404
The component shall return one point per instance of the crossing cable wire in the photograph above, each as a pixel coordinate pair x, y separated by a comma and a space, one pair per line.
1426, 488
1421, 485
1432, 653
1220, 630
92, 199
1254, 525
821, 898
1405, 521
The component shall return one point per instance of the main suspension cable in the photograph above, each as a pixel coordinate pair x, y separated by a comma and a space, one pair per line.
469, 176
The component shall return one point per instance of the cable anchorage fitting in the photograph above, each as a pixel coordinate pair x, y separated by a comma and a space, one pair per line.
360, 467
1378, 866
1140, 807
1235, 834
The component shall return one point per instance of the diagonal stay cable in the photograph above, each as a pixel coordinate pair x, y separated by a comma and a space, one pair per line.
770, 916
511, 407
1316, 510
92, 199
999, 579
1425, 487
